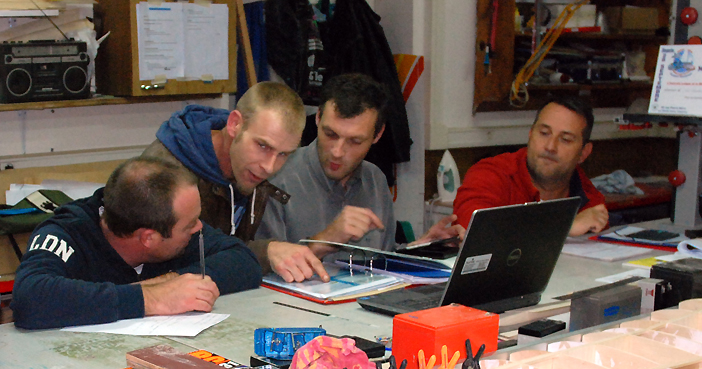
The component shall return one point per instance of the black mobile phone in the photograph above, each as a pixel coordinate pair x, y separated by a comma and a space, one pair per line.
440, 249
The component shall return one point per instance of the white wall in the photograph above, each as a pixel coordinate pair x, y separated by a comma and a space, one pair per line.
402, 22
31, 138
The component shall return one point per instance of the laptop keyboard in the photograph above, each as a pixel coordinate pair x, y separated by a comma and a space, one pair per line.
423, 303
431, 297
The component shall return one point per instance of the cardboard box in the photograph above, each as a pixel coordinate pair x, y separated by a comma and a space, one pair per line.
8, 259
585, 16
97, 172
631, 19
7, 282
449, 325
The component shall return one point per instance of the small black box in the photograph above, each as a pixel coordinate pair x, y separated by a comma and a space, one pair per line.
258, 361
538, 329
542, 328
371, 348
684, 275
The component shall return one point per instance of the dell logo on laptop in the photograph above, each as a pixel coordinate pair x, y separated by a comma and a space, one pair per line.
514, 257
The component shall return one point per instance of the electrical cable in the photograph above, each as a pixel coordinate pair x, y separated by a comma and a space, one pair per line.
49, 19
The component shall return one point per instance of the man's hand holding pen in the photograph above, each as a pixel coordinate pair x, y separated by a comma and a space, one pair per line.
183, 293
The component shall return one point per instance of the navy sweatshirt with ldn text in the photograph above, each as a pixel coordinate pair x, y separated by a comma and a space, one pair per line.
70, 275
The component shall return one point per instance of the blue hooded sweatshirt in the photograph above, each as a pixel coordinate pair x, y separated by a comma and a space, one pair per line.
188, 136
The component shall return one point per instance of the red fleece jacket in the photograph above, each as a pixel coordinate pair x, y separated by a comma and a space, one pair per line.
504, 180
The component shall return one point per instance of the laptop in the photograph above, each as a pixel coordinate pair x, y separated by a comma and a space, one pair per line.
504, 263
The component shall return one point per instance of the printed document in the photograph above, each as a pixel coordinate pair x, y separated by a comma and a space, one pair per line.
677, 84
187, 325
161, 40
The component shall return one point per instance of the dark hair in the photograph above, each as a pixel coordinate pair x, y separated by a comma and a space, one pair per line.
577, 106
353, 94
140, 194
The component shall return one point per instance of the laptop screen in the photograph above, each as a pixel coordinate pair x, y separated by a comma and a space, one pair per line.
509, 253
505, 262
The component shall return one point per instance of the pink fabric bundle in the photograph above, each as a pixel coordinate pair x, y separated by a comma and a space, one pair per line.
326, 352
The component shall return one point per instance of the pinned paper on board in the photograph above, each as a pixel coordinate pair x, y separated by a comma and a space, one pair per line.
183, 40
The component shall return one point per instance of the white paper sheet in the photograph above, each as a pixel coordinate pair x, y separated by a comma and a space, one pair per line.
600, 250
72, 189
629, 273
188, 324
17, 192
161, 40
206, 41
691, 248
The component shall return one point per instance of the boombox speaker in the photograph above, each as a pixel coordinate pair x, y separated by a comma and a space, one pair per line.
43, 70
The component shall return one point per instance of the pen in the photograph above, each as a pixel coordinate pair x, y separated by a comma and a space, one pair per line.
202, 255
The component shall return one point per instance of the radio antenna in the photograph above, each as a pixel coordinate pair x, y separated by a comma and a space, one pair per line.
49, 19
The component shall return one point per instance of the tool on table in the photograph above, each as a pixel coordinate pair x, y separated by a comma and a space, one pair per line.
281, 343
472, 362
428, 364
445, 363
393, 363
202, 255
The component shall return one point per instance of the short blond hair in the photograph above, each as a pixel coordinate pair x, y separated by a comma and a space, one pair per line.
277, 97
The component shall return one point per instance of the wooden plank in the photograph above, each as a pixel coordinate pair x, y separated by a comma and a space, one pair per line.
104, 100
494, 86
246, 44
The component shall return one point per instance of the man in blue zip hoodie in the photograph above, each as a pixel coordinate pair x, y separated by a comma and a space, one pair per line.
233, 154
128, 251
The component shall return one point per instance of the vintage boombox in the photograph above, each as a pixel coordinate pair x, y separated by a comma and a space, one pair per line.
43, 70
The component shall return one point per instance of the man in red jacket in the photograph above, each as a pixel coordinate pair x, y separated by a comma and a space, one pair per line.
546, 169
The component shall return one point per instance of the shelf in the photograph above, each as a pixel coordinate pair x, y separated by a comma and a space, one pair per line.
102, 100
594, 86
601, 95
642, 37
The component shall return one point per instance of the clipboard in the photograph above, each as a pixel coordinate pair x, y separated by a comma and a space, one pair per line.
117, 63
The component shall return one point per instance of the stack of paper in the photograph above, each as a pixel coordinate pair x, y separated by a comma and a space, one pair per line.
345, 284
600, 251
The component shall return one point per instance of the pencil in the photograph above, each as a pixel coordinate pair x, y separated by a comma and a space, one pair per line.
202, 255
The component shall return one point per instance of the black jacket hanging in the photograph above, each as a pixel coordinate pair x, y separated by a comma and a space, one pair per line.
354, 42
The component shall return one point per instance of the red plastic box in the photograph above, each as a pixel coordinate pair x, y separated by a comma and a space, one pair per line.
447, 325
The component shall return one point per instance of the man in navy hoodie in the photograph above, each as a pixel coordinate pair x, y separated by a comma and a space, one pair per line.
129, 251
233, 154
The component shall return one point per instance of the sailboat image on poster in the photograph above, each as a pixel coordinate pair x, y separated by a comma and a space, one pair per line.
683, 63
447, 178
